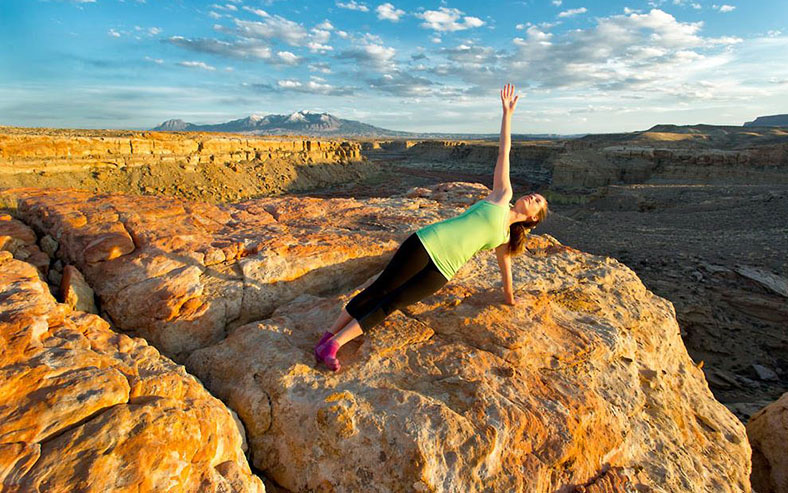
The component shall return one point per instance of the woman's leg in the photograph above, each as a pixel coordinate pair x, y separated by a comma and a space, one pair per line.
423, 284
342, 320
408, 260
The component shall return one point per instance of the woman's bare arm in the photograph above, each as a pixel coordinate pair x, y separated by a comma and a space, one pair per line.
505, 264
501, 182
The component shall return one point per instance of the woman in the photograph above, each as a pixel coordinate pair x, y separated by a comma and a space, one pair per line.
431, 256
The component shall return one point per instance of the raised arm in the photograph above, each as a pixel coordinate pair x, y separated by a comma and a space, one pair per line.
501, 182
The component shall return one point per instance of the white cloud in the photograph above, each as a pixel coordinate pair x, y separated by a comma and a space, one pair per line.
288, 58
387, 11
557, 3
200, 65
571, 12
153, 31
157, 61
113, 33
273, 27
372, 54
353, 5
325, 25
446, 20
240, 49
322, 67
724, 8
315, 85
288, 83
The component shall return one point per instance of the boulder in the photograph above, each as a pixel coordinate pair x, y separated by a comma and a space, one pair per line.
768, 433
83, 408
584, 385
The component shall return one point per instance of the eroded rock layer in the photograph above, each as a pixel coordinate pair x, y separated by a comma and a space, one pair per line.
83, 408
204, 166
584, 384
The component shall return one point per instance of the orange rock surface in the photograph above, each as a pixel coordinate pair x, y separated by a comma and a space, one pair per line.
768, 434
25, 150
83, 408
584, 385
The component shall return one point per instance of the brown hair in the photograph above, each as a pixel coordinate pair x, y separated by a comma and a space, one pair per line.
519, 230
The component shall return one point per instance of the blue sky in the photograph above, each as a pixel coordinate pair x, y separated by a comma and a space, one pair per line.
581, 65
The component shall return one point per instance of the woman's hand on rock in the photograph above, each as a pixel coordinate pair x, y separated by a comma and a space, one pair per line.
509, 99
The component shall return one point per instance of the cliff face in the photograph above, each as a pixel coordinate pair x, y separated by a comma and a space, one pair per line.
585, 383
639, 164
663, 154
25, 152
202, 166
83, 408
530, 162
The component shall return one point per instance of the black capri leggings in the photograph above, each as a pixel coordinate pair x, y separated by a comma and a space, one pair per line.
409, 277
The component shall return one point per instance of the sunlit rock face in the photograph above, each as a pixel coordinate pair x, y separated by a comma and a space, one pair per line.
83, 408
768, 434
584, 384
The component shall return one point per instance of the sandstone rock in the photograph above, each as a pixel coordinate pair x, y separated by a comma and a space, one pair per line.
75, 291
768, 434
462, 393
17, 238
49, 245
585, 384
85, 409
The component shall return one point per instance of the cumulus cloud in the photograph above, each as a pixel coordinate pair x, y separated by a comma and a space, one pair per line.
199, 65
448, 19
572, 12
240, 49
371, 54
113, 33
724, 8
272, 27
389, 12
353, 5
315, 85
631, 51
288, 58
403, 84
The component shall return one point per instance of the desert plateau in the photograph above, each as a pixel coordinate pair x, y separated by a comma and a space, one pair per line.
444, 246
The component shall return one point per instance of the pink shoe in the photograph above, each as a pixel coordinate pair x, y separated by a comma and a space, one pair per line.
326, 336
328, 353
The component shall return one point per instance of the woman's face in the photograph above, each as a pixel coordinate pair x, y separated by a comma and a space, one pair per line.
530, 205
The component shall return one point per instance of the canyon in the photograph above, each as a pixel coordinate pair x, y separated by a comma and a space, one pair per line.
208, 307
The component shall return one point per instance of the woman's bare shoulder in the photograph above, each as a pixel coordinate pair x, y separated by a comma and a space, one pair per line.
501, 198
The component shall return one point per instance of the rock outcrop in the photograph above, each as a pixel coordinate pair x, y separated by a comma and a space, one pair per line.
83, 408
28, 152
584, 384
211, 167
768, 434
530, 161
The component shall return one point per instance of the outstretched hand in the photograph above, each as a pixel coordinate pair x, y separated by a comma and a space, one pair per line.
508, 98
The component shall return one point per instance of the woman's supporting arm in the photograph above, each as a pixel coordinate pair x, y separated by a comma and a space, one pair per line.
501, 182
505, 264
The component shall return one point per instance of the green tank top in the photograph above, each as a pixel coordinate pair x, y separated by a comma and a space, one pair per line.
451, 243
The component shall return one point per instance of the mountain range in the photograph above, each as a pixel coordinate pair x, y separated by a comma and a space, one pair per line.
298, 123
319, 125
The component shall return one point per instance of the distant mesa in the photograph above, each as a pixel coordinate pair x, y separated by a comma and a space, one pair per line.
769, 121
300, 123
